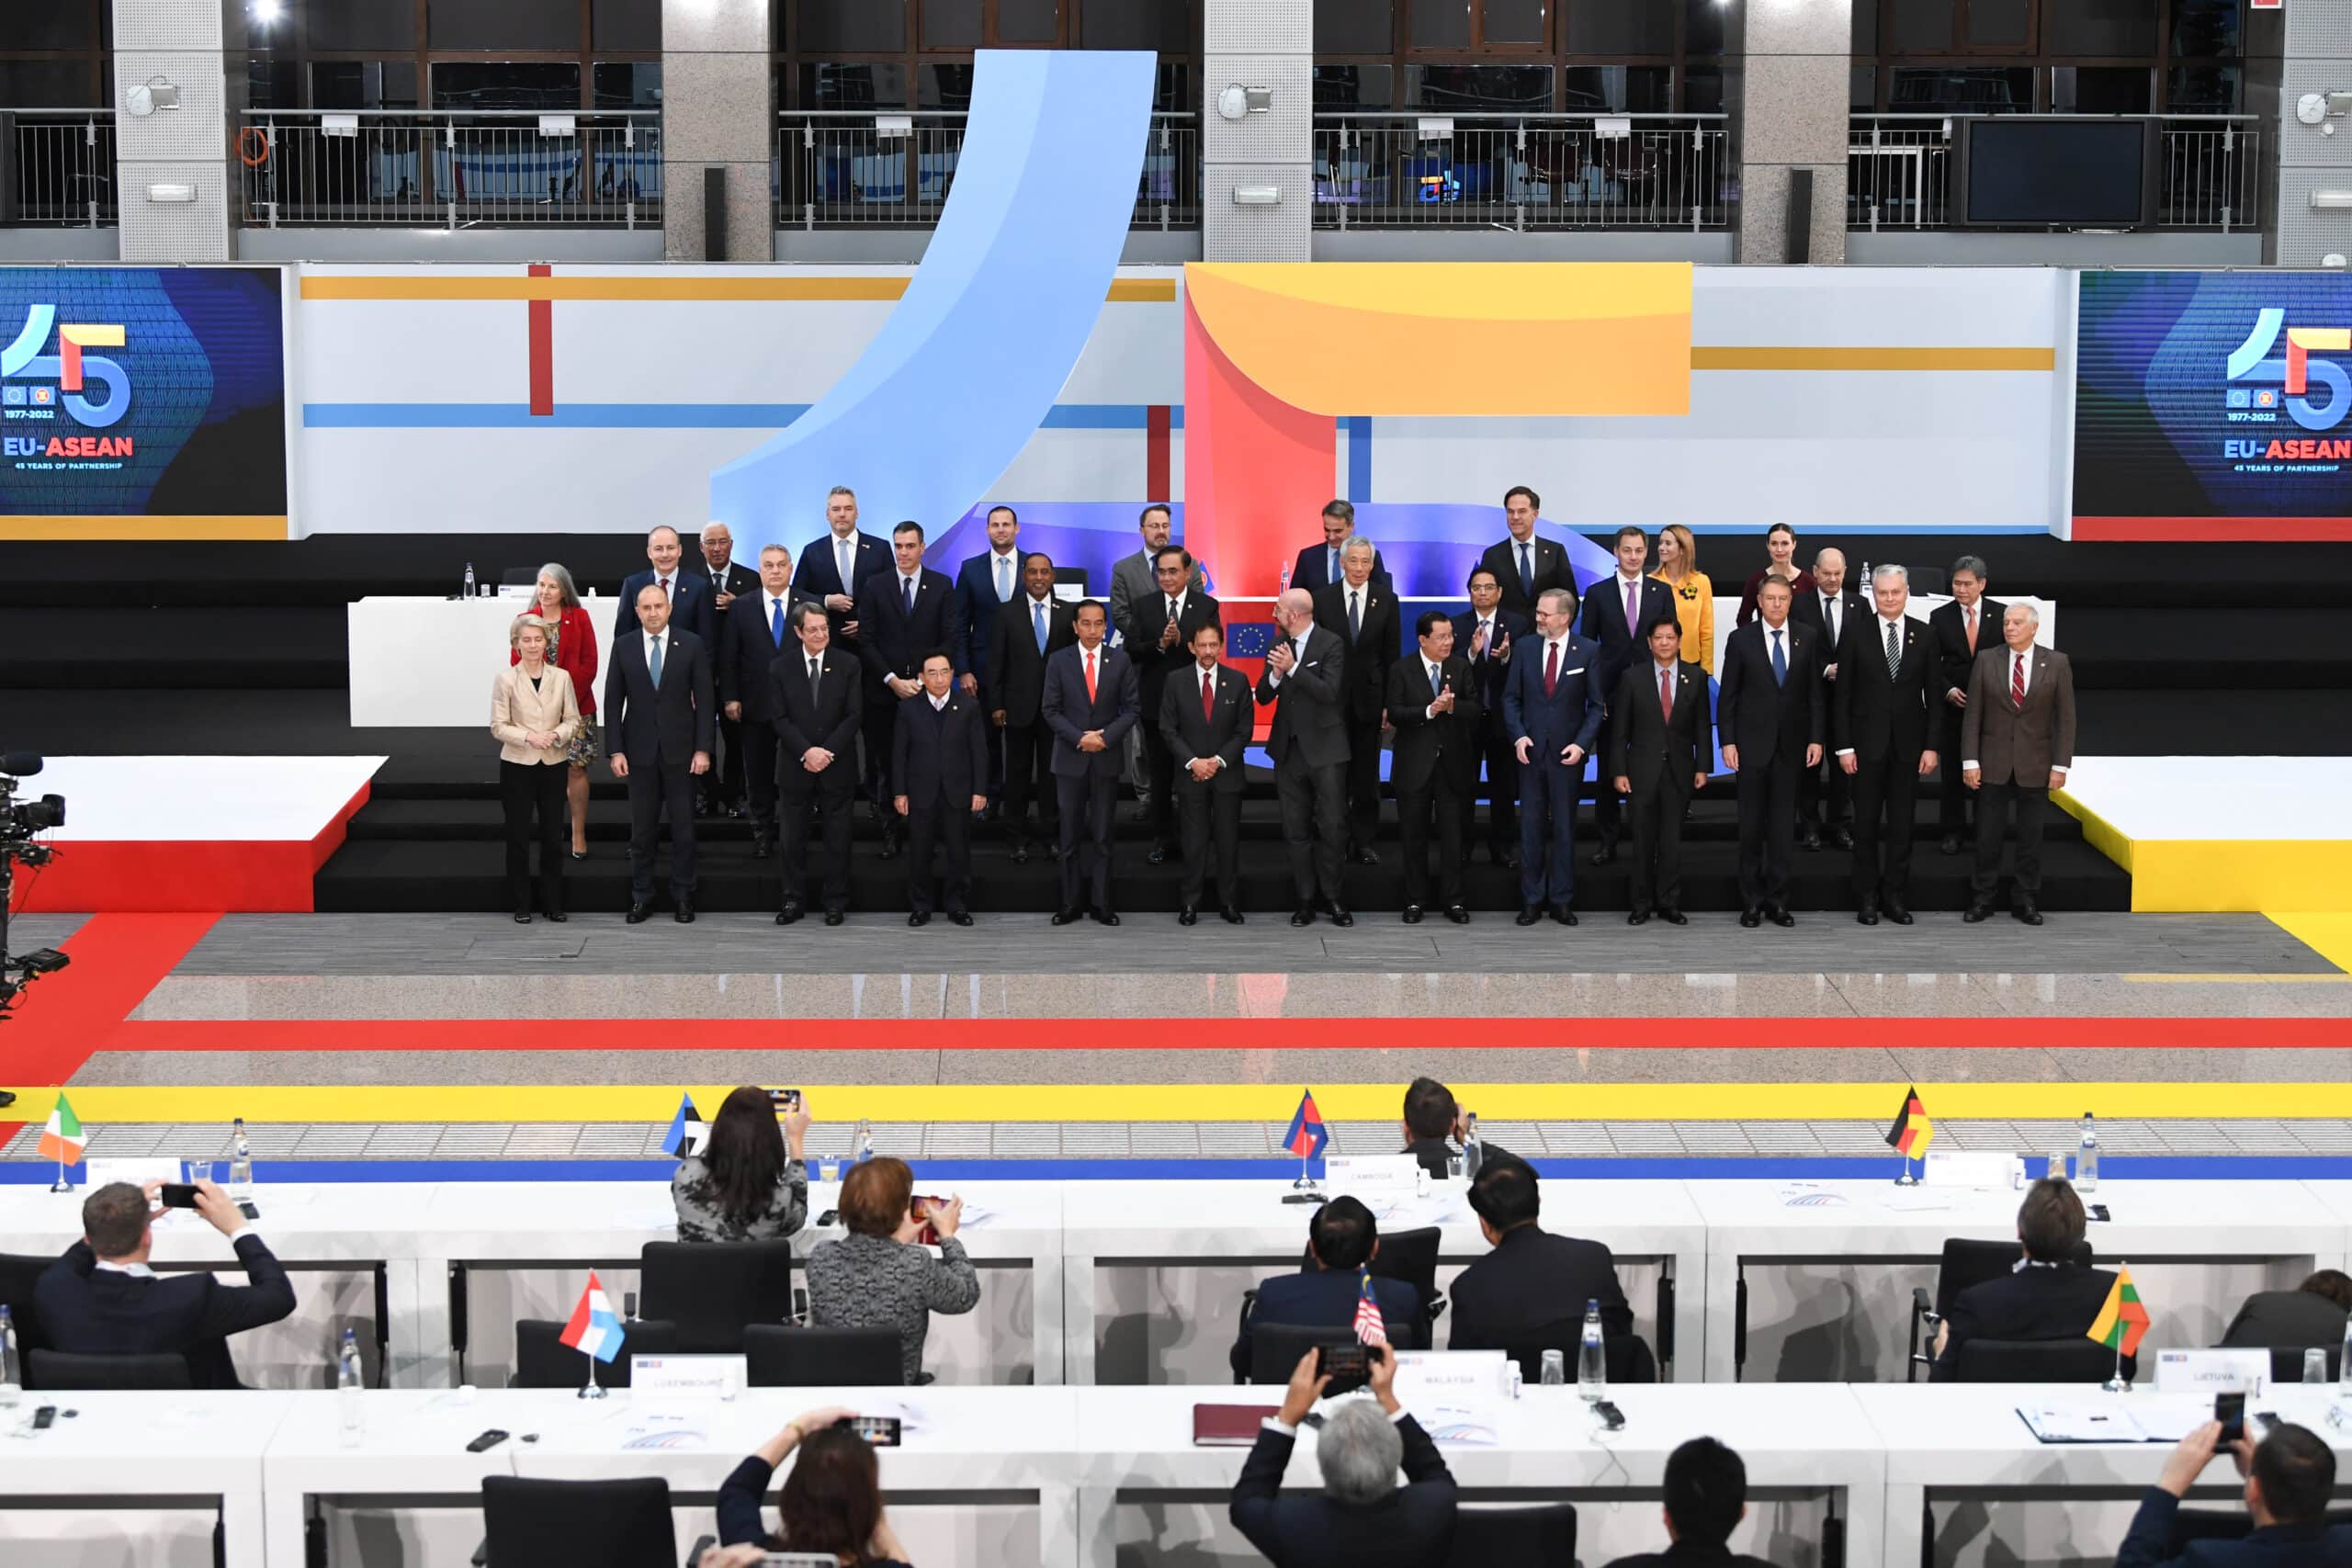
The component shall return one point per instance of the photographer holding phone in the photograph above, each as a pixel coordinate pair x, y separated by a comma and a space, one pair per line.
101, 1299
2289, 1476
750, 1181
830, 1504
880, 1275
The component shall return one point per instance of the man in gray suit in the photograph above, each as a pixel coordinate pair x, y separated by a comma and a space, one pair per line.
2017, 742
1305, 674
1134, 581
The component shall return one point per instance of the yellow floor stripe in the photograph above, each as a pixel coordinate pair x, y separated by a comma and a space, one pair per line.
757, 289
1921, 359
99, 1105
2328, 935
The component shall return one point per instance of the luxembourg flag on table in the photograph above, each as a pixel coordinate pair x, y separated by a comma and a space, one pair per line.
594, 1330
62, 1139
1308, 1134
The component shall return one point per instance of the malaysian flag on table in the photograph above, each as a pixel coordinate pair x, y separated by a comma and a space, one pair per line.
1371, 1328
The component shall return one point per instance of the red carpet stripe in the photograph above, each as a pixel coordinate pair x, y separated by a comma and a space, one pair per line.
118, 959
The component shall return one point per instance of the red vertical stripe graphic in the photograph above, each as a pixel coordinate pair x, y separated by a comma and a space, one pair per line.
542, 351
1155, 451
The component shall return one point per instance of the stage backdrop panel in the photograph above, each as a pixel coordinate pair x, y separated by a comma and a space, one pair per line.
142, 402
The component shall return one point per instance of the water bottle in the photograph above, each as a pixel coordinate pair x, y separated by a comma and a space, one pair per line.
1592, 1361
2344, 1363
2315, 1365
864, 1144
2086, 1159
12, 1380
1555, 1368
1472, 1152
348, 1382
628, 1306
240, 1163
470, 580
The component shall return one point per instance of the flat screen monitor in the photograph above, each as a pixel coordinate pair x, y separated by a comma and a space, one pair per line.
2038, 171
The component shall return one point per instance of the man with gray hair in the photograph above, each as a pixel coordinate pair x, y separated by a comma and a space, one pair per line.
1879, 726
1363, 1520
2017, 744
1307, 675
1363, 614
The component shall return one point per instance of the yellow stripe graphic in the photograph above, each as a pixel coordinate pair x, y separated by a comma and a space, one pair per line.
1711, 358
160, 527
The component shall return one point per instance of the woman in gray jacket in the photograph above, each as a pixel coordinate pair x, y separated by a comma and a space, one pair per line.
878, 1276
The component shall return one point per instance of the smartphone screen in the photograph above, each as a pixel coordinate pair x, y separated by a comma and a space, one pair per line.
785, 1099
179, 1195
881, 1432
1345, 1364
923, 1205
2229, 1409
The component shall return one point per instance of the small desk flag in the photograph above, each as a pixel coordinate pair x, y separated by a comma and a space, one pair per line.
1308, 1134
62, 1139
2124, 1318
594, 1330
1912, 1132
1371, 1328
686, 1129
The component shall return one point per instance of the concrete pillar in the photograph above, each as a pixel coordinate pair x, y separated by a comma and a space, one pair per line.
718, 110
1269, 44
180, 43
1792, 115
2313, 55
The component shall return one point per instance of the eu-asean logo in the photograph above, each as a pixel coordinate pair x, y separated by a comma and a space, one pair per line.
2293, 372
74, 370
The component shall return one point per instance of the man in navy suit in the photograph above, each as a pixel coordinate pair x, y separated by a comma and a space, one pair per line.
1093, 700
1343, 1237
1552, 709
2289, 1479
1318, 566
1618, 616
1524, 565
1877, 721
1027, 633
942, 766
692, 608
660, 719
814, 691
833, 566
101, 1299
1770, 718
1205, 716
901, 616
1665, 744
1483, 636
984, 583
1165, 622
754, 631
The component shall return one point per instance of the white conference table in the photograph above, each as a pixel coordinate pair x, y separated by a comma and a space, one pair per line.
423, 663
1851, 1222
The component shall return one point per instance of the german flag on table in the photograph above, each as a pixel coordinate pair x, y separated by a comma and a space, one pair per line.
1912, 1132
2124, 1320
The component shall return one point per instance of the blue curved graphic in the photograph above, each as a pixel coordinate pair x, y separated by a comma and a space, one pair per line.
967, 364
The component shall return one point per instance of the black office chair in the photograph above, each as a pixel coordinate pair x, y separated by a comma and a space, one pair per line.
2219, 1523
18, 1274
1541, 1537
2075, 1360
1275, 1347
1409, 1255
543, 1361
1964, 1264
61, 1370
782, 1356
710, 1290
1624, 1358
582, 1523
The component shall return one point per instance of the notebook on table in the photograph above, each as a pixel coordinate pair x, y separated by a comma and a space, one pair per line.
1229, 1426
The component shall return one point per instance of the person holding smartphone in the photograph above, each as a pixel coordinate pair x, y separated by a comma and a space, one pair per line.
831, 1503
750, 1181
881, 1275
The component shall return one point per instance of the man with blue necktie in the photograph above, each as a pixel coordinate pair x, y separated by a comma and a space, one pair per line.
1012, 690
985, 584
754, 634
1523, 565
1771, 718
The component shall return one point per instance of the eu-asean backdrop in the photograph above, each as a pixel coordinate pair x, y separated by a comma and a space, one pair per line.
142, 401
2213, 406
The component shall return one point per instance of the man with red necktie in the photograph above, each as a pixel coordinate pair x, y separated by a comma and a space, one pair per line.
1092, 702
1206, 716
2017, 743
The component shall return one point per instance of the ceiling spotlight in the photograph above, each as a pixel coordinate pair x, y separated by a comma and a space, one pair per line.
266, 10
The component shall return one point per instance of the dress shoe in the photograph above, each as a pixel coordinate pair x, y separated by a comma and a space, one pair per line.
580, 854
1563, 915
705, 807
1340, 915
1897, 913
1412, 914
1068, 917
1779, 915
1188, 916
1842, 836
1810, 839
789, 914
1157, 854
1457, 914
1606, 854
1303, 915
1638, 918
557, 916
1674, 917
2023, 910
522, 917
1229, 915
1977, 912
919, 918
835, 917
639, 913
960, 917
1529, 914
1104, 917
1867, 915
685, 913
761, 846
1142, 813
1367, 856
1949, 844
1021, 854
889, 846
1751, 919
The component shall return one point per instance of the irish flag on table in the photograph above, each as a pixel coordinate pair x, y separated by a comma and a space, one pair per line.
2124, 1318
61, 1140
594, 1329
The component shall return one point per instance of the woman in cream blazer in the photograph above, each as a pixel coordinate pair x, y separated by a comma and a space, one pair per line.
534, 714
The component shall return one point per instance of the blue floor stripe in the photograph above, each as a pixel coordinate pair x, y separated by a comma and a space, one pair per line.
653, 416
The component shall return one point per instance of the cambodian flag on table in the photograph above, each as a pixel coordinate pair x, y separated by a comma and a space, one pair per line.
1308, 1134
594, 1330
1371, 1327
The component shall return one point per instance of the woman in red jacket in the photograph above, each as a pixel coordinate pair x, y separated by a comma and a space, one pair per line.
575, 653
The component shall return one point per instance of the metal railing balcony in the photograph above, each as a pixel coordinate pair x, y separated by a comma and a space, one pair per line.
450, 168
1524, 172
57, 168
866, 168
1899, 171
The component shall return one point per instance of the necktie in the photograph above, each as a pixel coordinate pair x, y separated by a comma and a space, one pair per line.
1894, 653
1780, 662
1437, 682
1633, 607
1089, 674
1829, 617
2017, 680
1355, 615
1208, 693
665, 587
816, 684
907, 593
1665, 696
654, 660
844, 563
1003, 579
776, 621
1971, 613
1526, 573
1551, 667
1487, 646
1331, 565
1171, 609
1038, 620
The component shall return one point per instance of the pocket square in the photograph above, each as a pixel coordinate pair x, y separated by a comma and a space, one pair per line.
1577, 670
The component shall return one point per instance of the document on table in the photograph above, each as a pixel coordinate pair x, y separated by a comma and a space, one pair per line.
682, 1430
1916, 1200
2082, 1424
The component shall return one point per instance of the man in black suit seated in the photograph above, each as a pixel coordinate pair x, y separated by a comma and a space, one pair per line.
754, 631
2046, 1295
101, 1299
1364, 615
901, 615
1363, 1520
1706, 1497
1165, 622
1532, 1278
1433, 704
1344, 1238
1483, 634
1205, 716
2311, 1313
814, 691
659, 718
941, 761
1664, 742
1435, 1127
1012, 688
2290, 1477
1770, 718
1317, 566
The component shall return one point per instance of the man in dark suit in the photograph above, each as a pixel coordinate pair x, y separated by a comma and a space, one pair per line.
2017, 744
2049, 1297
1483, 634
727, 579
942, 766
1618, 616
1317, 566
814, 691
1706, 1498
659, 713
1552, 710
754, 631
101, 1299
1531, 1280
1343, 1238
1206, 715
1665, 742
1165, 621
1877, 721
2289, 1480
1092, 700
1306, 676
833, 566
1770, 717
1834, 614
1435, 1126
985, 584
1364, 617
1362, 1518
692, 608
1133, 580
1523, 565
1432, 699
2311, 1313
1959, 629
900, 617
1012, 689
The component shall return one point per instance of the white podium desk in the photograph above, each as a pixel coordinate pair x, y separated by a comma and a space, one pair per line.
420, 663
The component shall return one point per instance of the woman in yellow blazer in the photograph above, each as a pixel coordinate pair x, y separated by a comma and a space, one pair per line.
1694, 596
534, 714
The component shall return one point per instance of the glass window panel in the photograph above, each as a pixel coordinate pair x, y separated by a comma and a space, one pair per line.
2202, 89
1619, 89
1439, 24
1970, 89
1706, 26
1702, 90
2002, 24
62, 24
627, 85
1471, 88
56, 84
1620, 26
1027, 21
1175, 92
505, 84
270, 83
951, 24
628, 26
2101, 89
1354, 26
1919, 26
944, 84
851, 26
1514, 21
363, 84
361, 24
509, 24
1162, 25
851, 84
1862, 88
1866, 29
1354, 87
2095, 27
2204, 28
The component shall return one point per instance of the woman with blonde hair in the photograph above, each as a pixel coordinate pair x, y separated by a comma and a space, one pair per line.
573, 652
1694, 596
534, 715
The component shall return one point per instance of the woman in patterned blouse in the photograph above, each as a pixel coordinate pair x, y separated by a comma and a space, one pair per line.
878, 1276
749, 1183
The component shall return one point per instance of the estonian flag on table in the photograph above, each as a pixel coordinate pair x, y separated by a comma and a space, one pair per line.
1308, 1134
1912, 1132
594, 1330
687, 1130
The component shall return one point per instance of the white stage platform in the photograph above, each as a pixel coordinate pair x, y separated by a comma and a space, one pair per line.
2267, 834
